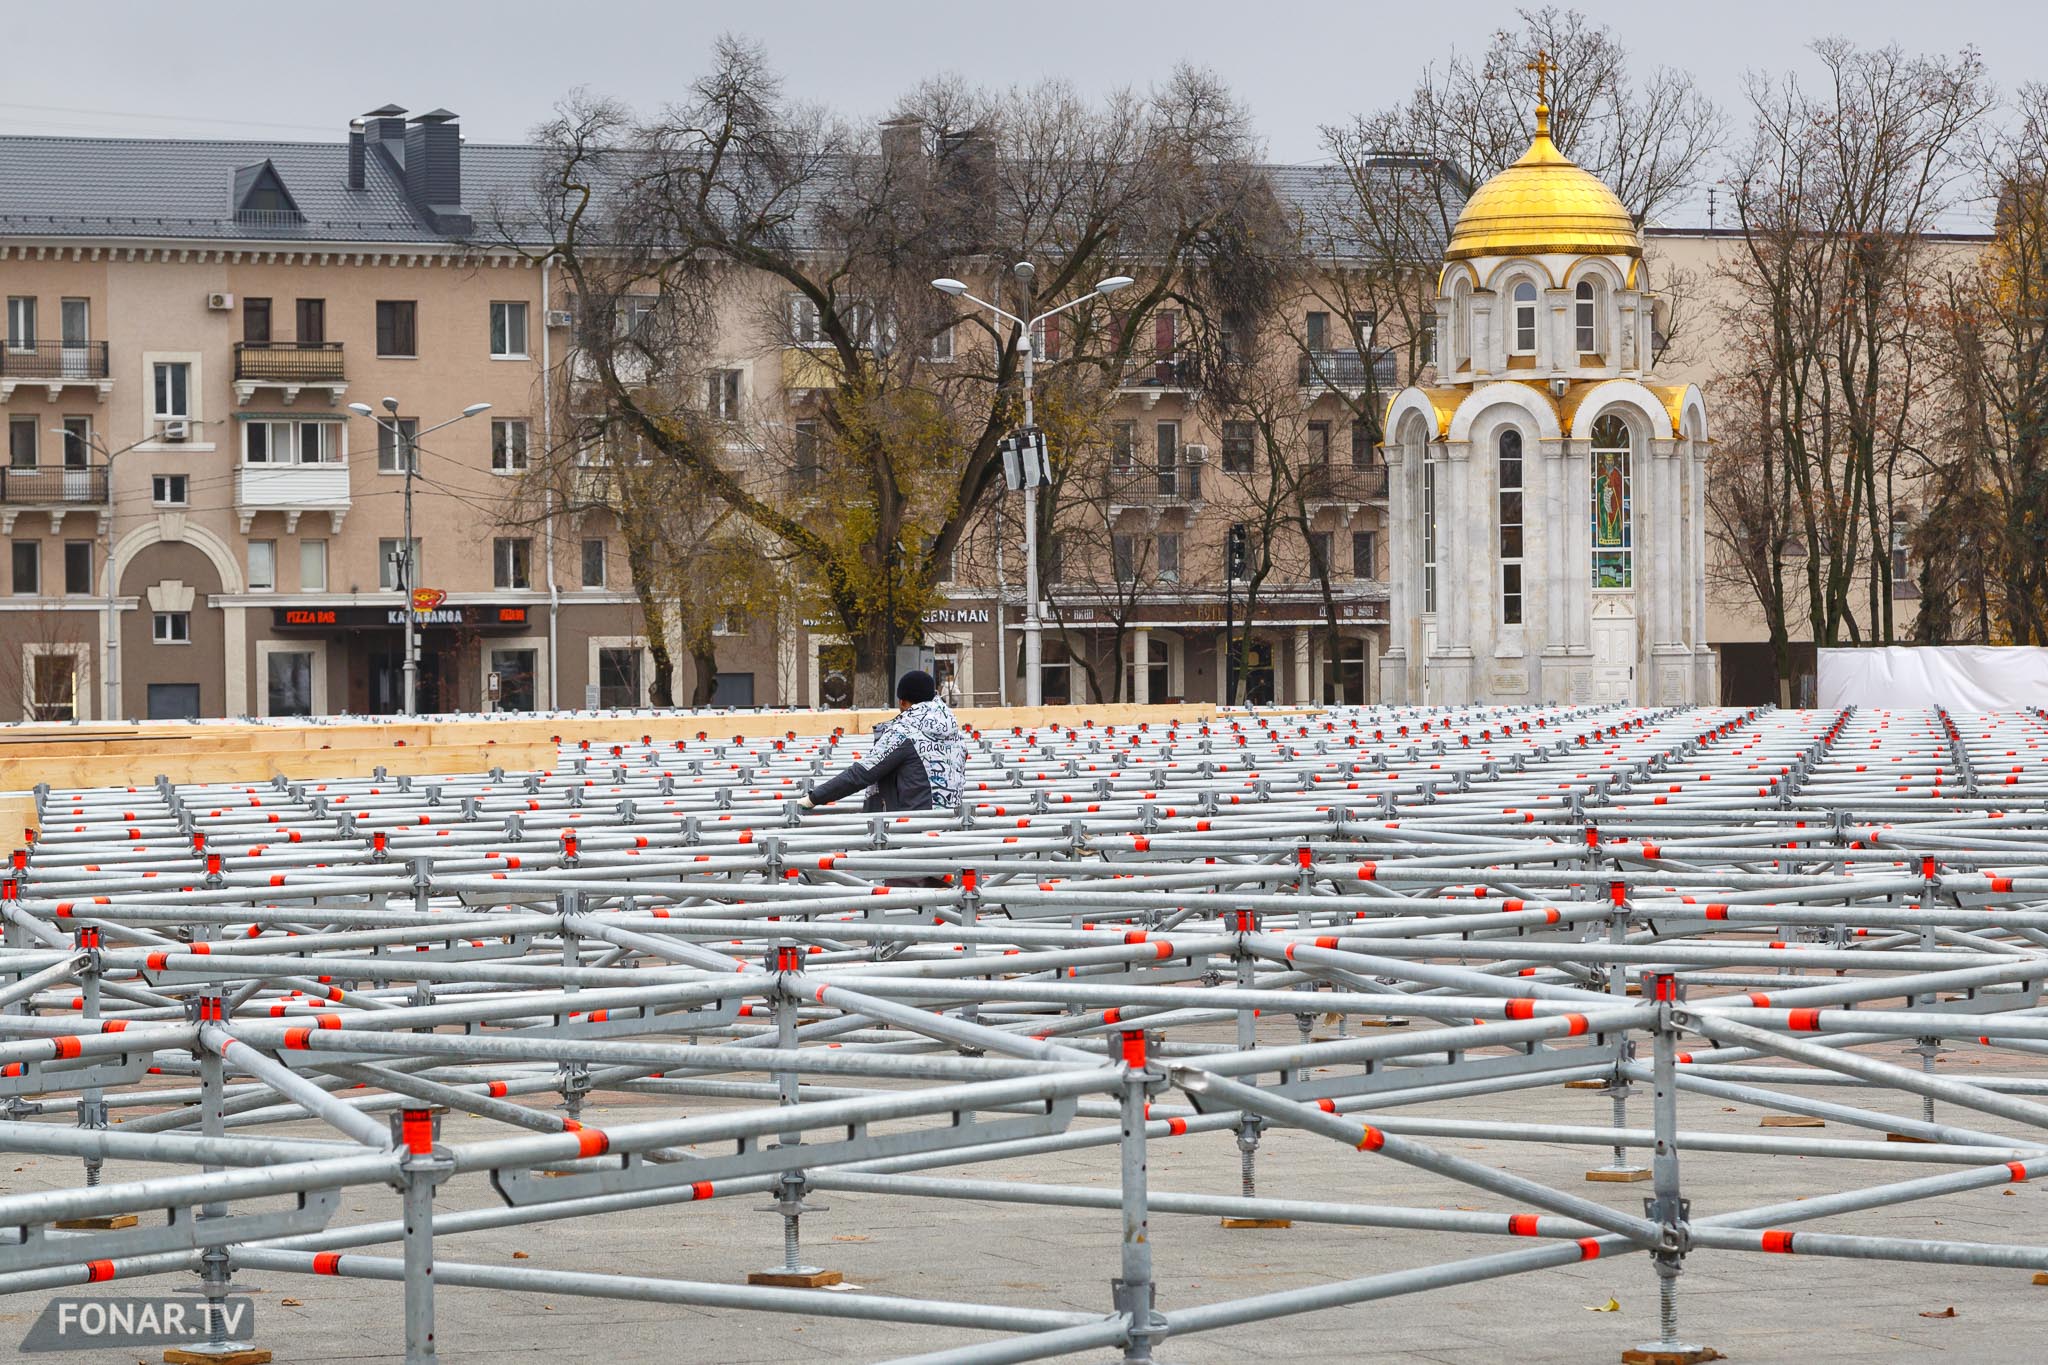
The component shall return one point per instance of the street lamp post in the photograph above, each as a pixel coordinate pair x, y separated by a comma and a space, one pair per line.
409, 452
1034, 682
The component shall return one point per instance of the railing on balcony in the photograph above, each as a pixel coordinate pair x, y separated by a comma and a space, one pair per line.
1346, 369
1344, 483
1156, 483
54, 360
1165, 372
289, 362
45, 486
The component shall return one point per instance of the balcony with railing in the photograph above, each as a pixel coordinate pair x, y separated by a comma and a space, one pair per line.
1173, 485
289, 366
1346, 370
54, 365
53, 490
1175, 373
1348, 485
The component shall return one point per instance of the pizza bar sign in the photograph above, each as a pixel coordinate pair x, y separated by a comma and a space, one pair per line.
439, 616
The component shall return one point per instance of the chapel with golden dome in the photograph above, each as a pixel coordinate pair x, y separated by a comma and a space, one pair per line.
1546, 495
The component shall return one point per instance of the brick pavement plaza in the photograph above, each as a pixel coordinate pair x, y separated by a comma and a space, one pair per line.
1752, 1307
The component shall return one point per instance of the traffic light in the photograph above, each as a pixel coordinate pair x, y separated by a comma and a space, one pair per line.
1235, 552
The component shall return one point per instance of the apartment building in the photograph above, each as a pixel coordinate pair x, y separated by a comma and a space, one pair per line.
188, 326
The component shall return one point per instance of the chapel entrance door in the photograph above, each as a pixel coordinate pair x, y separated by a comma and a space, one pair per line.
1614, 649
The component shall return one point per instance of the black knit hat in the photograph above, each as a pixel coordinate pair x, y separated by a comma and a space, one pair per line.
916, 686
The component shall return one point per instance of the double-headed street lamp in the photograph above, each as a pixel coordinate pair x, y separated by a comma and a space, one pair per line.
408, 450
1034, 683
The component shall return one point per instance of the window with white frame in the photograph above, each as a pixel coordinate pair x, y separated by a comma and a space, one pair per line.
1508, 467
512, 561
396, 449
803, 322
1584, 317
722, 395
508, 331
593, 562
508, 445
312, 566
21, 322
398, 569
172, 392
262, 566
942, 343
1167, 549
1524, 320
283, 442
171, 627
168, 490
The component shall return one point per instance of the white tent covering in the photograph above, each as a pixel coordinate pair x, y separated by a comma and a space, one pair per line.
1960, 677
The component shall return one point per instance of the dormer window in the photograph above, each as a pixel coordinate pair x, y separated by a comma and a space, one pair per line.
1525, 319
1583, 317
261, 199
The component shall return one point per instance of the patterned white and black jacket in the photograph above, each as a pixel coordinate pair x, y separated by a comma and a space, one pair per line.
918, 762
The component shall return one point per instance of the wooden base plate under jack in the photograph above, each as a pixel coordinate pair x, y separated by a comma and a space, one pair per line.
1683, 1355
1792, 1121
1905, 1137
1258, 1222
1627, 1175
105, 1222
1585, 1085
2041, 1277
232, 1355
796, 1279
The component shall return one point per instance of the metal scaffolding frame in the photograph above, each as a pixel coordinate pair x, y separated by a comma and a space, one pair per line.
1747, 906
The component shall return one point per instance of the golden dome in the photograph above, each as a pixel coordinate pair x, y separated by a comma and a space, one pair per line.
1544, 203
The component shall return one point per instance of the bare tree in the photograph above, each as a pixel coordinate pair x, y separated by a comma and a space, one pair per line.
1835, 193
744, 211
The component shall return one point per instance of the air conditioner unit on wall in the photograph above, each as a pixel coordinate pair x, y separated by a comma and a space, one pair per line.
560, 317
220, 303
176, 429
1194, 453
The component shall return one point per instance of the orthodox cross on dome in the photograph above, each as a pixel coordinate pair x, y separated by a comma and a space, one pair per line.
1542, 66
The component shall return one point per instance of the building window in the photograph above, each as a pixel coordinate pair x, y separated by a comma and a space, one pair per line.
53, 687
1166, 440
804, 451
262, 566
21, 443
515, 669
28, 568
1240, 440
171, 628
167, 490
395, 450
942, 344
511, 559
398, 328
312, 318
1319, 554
1168, 551
77, 442
256, 321
397, 570
312, 566
291, 442
1613, 513
1365, 441
1582, 317
508, 445
722, 395
1123, 446
21, 323
1525, 319
1509, 471
1364, 554
1319, 445
803, 322
78, 567
1425, 346
618, 676
290, 683
1429, 528
593, 563
1364, 327
508, 331
1318, 331
173, 392
1123, 554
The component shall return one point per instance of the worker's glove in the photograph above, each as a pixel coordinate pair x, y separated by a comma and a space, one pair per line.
804, 802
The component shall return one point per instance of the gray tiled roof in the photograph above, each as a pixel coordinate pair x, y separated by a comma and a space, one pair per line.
184, 190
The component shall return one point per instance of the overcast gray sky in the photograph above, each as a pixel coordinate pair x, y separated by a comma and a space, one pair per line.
243, 68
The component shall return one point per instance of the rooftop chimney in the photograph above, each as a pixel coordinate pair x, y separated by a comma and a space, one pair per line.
433, 168
357, 154
385, 127
902, 139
